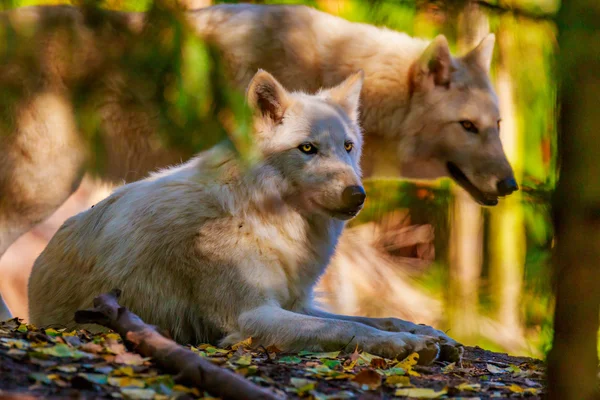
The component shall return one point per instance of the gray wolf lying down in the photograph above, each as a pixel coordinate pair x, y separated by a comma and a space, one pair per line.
216, 252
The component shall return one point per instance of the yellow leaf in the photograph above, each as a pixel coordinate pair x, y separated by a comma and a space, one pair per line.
15, 343
473, 387
125, 382
302, 385
408, 363
244, 344
421, 393
72, 333
244, 360
247, 371
52, 332
211, 350
124, 371
114, 336
398, 381
185, 389
448, 368
516, 388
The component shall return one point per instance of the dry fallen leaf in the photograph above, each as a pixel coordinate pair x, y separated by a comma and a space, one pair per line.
138, 394
125, 382
130, 359
115, 347
91, 348
495, 370
243, 344
473, 387
378, 363
273, 349
420, 393
368, 379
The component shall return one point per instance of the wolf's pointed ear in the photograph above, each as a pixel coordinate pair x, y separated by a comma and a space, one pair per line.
482, 54
266, 95
434, 66
347, 94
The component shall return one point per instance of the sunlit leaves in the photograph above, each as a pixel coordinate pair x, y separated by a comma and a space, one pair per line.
408, 363
109, 367
310, 354
63, 350
421, 393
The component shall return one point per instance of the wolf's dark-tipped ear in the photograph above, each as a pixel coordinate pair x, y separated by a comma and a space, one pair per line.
434, 67
482, 54
347, 94
266, 95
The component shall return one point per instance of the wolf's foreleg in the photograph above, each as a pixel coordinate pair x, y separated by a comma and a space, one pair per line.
289, 331
451, 350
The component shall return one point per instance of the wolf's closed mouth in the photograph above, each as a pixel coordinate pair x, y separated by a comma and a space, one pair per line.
460, 178
348, 213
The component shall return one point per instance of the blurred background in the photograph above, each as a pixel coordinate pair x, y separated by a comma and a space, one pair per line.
420, 250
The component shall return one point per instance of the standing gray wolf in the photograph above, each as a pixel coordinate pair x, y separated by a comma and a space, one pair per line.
426, 114
236, 251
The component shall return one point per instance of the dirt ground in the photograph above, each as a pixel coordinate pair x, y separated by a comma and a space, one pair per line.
55, 363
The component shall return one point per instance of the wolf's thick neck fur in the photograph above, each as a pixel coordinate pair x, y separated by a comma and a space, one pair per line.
259, 202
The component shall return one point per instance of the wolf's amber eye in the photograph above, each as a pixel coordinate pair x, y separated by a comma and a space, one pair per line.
307, 148
348, 146
469, 126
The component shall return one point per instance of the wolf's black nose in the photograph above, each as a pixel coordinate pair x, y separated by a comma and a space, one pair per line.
353, 196
507, 186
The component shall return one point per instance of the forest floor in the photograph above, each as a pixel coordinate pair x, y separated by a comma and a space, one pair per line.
57, 364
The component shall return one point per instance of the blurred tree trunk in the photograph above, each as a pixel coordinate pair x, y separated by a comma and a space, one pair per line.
573, 360
466, 236
507, 230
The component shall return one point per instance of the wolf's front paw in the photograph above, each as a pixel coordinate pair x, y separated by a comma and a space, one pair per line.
401, 344
450, 349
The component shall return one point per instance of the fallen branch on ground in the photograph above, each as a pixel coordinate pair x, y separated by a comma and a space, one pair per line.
187, 367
